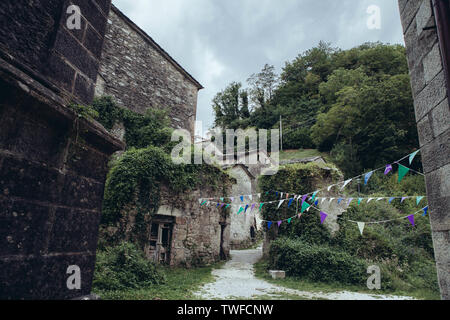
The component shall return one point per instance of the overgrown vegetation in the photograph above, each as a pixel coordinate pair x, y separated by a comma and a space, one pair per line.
123, 273
124, 267
308, 251
356, 104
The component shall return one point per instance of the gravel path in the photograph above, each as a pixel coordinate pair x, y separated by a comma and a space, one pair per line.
236, 280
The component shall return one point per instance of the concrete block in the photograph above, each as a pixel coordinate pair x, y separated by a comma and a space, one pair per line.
277, 274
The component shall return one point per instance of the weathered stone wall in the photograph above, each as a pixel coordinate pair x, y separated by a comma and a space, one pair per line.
141, 75
241, 224
34, 37
197, 230
52, 171
431, 102
52, 163
196, 237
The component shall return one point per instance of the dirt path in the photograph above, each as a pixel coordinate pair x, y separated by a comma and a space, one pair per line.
236, 280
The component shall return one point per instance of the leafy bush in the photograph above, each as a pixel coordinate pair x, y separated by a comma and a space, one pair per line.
316, 262
124, 267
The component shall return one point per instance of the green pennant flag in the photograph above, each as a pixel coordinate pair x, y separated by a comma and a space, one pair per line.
240, 210
402, 171
289, 220
260, 206
359, 201
227, 206
204, 202
314, 195
305, 206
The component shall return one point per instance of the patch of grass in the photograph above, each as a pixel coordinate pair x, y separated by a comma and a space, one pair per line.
181, 283
301, 154
297, 283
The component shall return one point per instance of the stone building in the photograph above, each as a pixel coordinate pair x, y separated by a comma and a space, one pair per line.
140, 75
426, 26
243, 227
53, 163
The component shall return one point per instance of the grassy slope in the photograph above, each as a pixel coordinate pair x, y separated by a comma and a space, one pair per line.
180, 285
301, 154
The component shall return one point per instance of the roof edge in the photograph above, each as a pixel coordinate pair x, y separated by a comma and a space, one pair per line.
156, 46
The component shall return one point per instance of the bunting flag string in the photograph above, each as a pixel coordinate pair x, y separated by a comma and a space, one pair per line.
402, 172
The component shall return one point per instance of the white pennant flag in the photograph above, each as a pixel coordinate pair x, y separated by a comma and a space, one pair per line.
370, 199
259, 195
329, 188
200, 201
361, 226
281, 195
346, 183
331, 199
279, 205
379, 199
323, 200
250, 197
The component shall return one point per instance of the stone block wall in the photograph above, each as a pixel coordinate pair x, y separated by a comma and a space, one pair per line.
53, 163
140, 75
429, 81
34, 37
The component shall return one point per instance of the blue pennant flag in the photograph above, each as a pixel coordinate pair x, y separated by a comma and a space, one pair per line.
391, 199
425, 211
246, 207
269, 224
242, 198
367, 177
290, 202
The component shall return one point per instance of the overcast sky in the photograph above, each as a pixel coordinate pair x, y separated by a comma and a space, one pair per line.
220, 41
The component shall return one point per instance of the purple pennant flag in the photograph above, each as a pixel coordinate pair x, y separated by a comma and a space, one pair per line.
253, 207
304, 198
279, 223
232, 199
411, 219
403, 199
221, 206
349, 201
388, 169
323, 216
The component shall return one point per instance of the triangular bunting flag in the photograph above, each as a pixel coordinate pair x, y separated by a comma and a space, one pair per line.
242, 198
331, 199
232, 199
340, 200
200, 201
418, 199
305, 206
240, 210
290, 202
361, 226
314, 195
349, 201
359, 201
204, 202
246, 207
411, 219
412, 156
388, 169
226, 207
316, 203
279, 223
323, 216
370, 199
250, 197
391, 199
304, 198
221, 206
281, 195
402, 171
367, 177
323, 200
403, 199
425, 211
221, 199
279, 205
379, 199
269, 224
289, 220
346, 183
329, 188
253, 207
260, 206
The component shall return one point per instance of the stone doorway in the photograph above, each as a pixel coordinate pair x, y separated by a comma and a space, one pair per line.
161, 239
